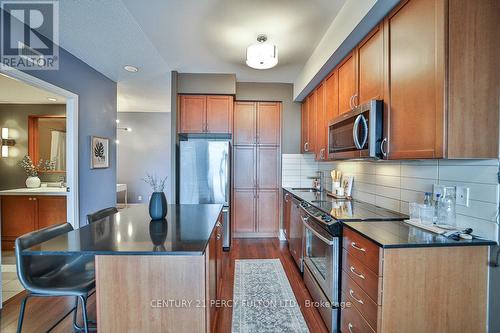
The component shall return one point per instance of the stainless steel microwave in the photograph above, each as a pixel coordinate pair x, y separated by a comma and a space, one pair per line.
358, 133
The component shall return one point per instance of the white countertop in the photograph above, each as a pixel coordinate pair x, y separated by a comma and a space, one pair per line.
54, 191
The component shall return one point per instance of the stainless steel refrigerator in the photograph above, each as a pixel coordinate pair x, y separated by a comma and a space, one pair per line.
205, 174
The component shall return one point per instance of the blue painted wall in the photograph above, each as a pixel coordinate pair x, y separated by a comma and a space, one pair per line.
96, 116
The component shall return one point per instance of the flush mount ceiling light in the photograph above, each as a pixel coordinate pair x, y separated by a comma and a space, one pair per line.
262, 55
131, 69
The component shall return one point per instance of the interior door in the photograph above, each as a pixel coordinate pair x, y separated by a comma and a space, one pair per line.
244, 211
268, 211
245, 123
268, 162
192, 113
244, 164
219, 114
268, 123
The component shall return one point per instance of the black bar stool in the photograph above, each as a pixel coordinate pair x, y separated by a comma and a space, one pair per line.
53, 275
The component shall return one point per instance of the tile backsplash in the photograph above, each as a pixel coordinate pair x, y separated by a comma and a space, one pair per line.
393, 184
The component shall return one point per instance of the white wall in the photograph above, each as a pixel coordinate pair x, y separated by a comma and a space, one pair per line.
393, 184
344, 23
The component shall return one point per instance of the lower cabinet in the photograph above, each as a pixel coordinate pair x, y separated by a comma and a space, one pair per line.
393, 289
23, 213
287, 210
256, 213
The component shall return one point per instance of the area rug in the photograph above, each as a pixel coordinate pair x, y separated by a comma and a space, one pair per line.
263, 300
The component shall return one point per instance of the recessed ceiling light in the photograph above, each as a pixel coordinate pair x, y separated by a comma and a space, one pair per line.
52, 99
131, 69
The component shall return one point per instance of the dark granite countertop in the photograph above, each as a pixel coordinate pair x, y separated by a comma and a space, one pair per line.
186, 231
397, 234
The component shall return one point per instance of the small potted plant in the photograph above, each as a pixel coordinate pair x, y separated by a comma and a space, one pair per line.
32, 170
158, 201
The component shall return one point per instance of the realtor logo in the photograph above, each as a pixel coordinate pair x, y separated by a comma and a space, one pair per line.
29, 34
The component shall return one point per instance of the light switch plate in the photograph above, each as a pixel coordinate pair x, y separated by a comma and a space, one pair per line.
462, 196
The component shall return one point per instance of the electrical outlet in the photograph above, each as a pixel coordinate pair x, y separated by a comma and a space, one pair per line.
462, 196
139, 198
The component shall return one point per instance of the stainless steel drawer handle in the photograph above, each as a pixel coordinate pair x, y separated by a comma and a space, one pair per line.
354, 245
349, 326
353, 271
219, 236
351, 292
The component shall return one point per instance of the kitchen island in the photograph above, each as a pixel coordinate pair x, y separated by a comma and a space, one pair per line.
151, 276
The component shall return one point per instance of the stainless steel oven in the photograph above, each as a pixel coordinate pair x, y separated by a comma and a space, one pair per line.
358, 133
321, 266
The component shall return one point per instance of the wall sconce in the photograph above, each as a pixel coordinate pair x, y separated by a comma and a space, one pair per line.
6, 142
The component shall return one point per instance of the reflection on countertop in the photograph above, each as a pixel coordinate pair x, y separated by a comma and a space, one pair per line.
44, 190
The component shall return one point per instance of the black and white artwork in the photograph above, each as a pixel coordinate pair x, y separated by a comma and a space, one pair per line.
99, 150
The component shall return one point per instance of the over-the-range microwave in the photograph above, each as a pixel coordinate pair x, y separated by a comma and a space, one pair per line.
358, 133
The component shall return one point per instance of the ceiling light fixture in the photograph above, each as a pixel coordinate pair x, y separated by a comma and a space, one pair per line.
262, 55
131, 69
52, 99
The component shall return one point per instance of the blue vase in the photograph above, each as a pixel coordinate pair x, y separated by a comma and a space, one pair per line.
158, 206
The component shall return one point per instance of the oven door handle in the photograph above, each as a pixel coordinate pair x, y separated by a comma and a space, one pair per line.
326, 239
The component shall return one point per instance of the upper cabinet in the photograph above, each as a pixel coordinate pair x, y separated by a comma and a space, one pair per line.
347, 83
304, 132
434, 63
416, 54
321, 124
257, 123
205, 114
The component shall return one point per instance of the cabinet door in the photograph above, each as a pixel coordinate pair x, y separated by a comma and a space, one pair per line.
370, 58
321, 123
192, 114
304, 131
51, 210
268, 211
244, 211
18, 215
219, 114
220, 255
268, 123
416, 79
245, 122
347, 83
287, 210
244, 166
212, 278
331, 103
311, 140
268, 166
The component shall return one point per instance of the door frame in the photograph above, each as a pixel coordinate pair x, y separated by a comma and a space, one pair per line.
73, 209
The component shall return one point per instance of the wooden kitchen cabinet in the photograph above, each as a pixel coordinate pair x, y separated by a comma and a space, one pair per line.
245, 123
370, 67
304, 129
268, 167
244, 213
244, 168
386, 286
205, 114
268, 123
321, 124
268, 212
347, 83
22, 214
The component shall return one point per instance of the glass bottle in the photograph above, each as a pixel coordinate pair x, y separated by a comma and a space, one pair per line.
436, 207
447, 213
427, 199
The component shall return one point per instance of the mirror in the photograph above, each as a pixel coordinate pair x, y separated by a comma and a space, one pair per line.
47, 140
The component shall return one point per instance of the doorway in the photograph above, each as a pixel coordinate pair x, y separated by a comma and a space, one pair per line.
41, 126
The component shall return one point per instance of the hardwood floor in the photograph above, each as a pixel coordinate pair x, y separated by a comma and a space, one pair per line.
42, 313
267, 249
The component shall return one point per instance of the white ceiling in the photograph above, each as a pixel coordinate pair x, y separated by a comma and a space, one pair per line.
208, 36
13, 91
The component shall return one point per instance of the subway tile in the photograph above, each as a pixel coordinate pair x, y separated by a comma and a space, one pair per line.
419, 162
387, 203
388, 169
363, 196
388, 181
412, 196
419, 171
490, 162
369, 179
389, 192
480, 192
368, 168
479, 209
405, 208
365, 187
473, 174
417, 184
480, 227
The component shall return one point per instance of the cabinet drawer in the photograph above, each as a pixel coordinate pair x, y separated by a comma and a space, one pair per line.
351, 320
361, 301
362, 249
361, 274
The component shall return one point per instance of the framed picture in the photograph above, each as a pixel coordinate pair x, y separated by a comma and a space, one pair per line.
99, 150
